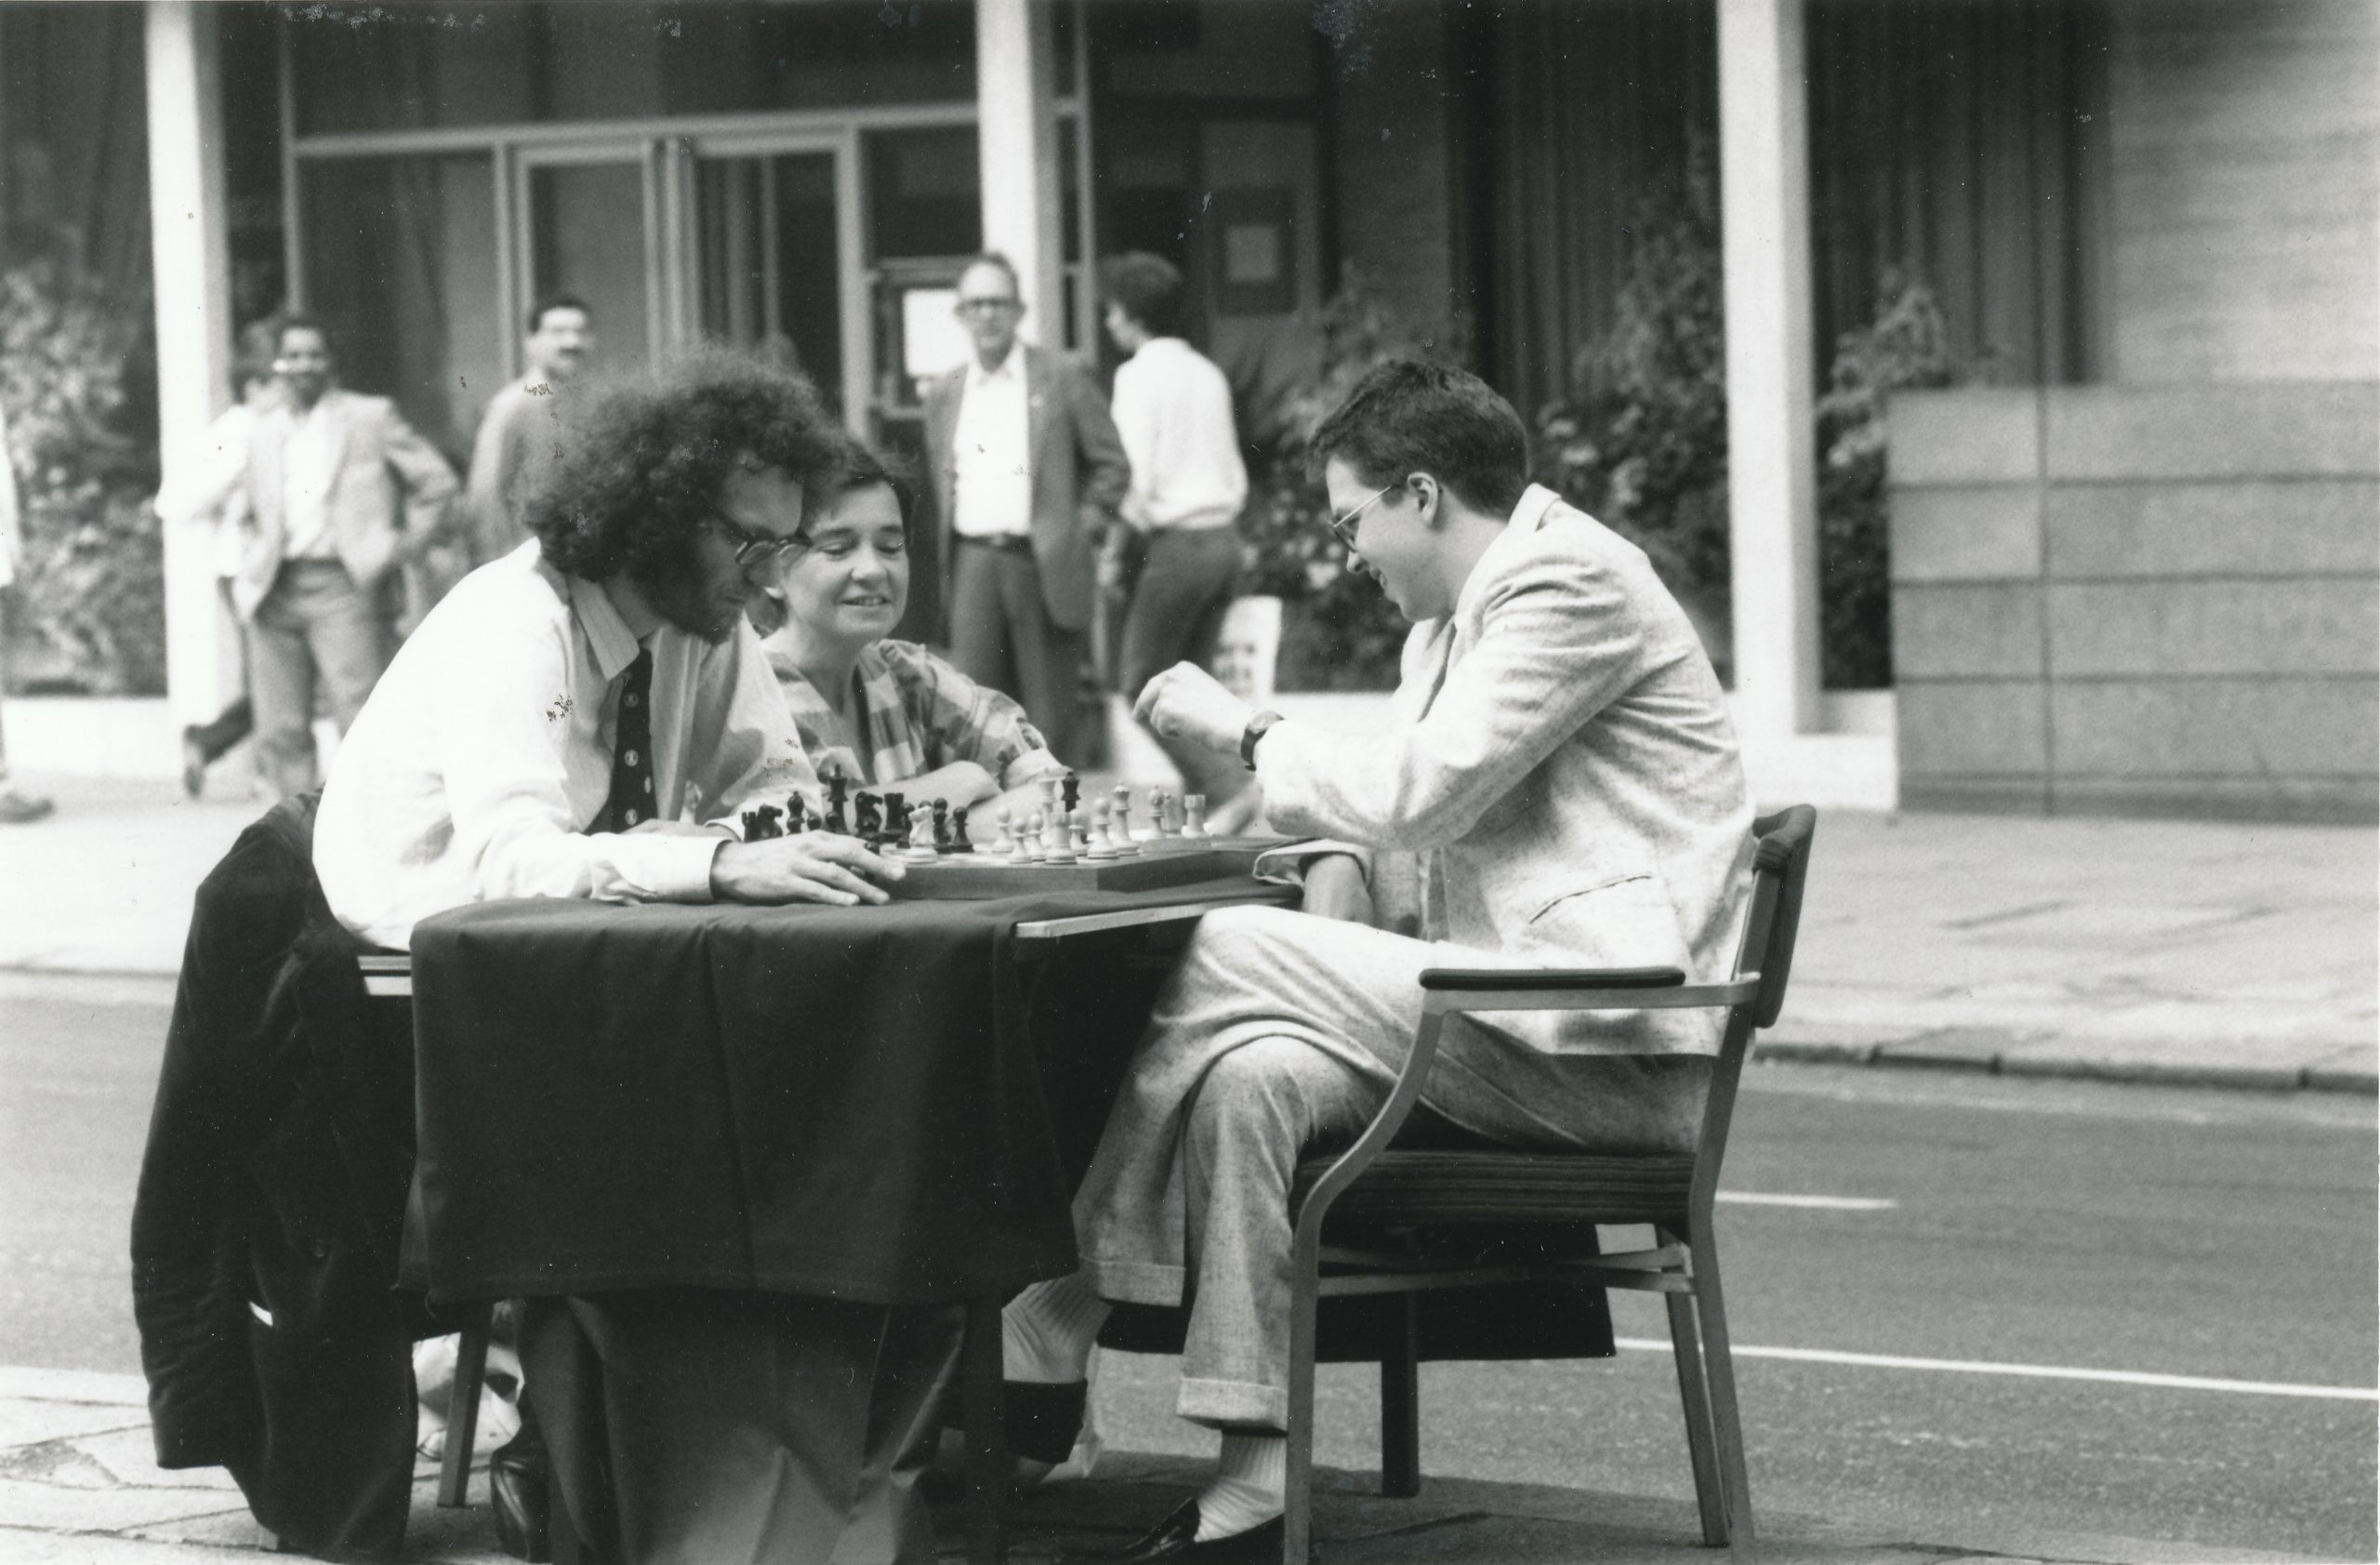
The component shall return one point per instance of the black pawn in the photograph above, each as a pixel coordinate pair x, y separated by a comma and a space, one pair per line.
942, 825
867, 824
958, 842
1070, 793
837, 786
896, 818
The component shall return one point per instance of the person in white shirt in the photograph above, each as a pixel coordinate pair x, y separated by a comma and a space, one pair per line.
209, 493
498, 757
343, 493
1027, 472
1177, 561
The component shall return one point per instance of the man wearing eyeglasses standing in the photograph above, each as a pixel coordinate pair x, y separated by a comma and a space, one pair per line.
1028, 474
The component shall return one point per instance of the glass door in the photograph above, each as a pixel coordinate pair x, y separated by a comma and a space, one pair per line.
587, 223
775, 257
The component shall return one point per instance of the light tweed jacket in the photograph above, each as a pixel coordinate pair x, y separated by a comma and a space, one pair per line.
1560, 756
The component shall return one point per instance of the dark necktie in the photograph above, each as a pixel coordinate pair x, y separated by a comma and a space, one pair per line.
632, 798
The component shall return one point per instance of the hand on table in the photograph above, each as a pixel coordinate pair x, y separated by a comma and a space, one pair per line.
1335, 889
1187, 702
807, 867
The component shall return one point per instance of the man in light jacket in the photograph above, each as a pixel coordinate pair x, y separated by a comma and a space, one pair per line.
1559, 754
342, 492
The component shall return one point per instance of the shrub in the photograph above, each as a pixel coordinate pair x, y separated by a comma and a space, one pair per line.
1642, 441
1339, 631
90, 598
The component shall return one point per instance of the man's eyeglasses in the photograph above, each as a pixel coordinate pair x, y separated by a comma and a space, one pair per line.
989, 306
1343, 527
756, 549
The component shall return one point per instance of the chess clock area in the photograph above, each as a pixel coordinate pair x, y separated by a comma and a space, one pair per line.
1065, 844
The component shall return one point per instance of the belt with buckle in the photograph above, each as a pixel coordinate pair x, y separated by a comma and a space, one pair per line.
1008, 543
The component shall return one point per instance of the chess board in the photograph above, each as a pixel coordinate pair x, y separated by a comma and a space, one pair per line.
1170, 861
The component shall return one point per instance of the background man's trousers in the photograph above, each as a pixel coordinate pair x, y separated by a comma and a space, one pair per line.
1001, 635
314, 625
1278, 1032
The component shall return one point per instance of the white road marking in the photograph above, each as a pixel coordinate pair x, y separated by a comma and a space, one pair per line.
1825, 1203
2038, 1372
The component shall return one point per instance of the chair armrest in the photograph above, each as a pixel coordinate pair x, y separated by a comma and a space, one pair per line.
1551, 978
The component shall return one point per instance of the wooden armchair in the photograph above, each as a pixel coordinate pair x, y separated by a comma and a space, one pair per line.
1357, 1213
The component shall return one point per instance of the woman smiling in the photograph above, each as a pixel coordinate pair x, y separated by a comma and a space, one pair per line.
889, 714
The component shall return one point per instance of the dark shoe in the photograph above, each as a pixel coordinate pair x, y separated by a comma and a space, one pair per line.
1043, 1422
1176, 1538
519, 1488
22, 809
193, 762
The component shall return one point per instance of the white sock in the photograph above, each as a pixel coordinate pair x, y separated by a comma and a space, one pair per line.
1248, 1480
1046, 1332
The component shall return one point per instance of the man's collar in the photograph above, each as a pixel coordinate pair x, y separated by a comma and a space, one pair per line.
1011, 367
1536, 503
608, 630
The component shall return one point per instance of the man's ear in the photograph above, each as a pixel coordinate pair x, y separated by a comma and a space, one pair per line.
1428, 494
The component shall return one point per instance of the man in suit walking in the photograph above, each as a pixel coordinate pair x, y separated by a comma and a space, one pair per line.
343, 493
1560, 755
1028, 474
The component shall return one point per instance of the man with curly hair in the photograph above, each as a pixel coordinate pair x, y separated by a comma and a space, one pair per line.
586, 717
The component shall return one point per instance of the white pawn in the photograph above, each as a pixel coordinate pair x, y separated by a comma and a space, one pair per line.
1004, 845
921, 848
1099, 846
1119, 831
1169, 814
1028, 839
1079, 831
1057, 841
1194, 823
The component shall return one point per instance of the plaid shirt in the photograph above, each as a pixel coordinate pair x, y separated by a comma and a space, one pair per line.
919, 714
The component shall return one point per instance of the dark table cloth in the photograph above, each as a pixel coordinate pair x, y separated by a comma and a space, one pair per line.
843, 1102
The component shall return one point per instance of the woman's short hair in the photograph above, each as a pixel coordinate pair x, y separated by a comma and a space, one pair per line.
643, 459
859, 465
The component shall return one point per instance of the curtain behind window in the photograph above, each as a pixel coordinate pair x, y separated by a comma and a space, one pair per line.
1954, 141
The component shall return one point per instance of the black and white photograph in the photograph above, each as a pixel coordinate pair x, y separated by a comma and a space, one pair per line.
1085, 782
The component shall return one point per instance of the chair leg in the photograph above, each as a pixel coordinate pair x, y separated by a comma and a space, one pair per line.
988, 1454
463, 1408
1297, 1493
1719, 1368
1685, 1345
1400, 1406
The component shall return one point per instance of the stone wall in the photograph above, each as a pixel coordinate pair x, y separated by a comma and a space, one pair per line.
2146, 600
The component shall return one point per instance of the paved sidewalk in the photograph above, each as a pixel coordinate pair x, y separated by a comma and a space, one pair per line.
2216, 953
78, 1487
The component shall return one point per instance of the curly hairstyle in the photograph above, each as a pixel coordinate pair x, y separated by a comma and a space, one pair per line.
643, 460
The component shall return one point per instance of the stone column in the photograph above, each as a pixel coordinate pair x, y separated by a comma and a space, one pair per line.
1765, 178
190, 262
1017, 144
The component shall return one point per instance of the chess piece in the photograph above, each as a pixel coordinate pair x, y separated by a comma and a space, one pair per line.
942, 825
958, 842
1077, 833
1028, 839
1169, 814
837, 786
921, 849
765, 823
1099, 847
868, 825
897, 817
1119, 825
751, 826
1070, 793
1057, 842
1004, 845
1194, 811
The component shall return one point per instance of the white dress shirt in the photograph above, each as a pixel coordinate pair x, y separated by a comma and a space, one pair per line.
992, 452
486, 752
309, 461
1172, 408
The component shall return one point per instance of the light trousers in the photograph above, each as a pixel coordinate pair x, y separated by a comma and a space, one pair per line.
1281, 1033
315, 625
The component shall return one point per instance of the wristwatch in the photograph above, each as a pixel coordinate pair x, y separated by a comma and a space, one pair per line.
1253, 732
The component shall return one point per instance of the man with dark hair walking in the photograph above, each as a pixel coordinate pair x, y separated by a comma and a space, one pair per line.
1177, 561
343, 493
522, 425
1027, 472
